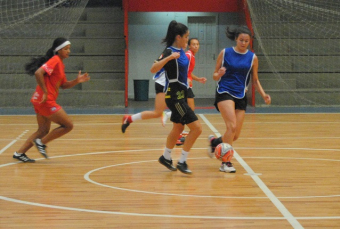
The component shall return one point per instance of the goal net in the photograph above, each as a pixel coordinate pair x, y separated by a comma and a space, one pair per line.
27, 29
298, 46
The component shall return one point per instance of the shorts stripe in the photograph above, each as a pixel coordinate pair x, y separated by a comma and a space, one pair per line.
179, 109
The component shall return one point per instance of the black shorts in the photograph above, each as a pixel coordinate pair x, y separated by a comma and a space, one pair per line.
240, 104
191, 94
176, 100
159, 88
181, 112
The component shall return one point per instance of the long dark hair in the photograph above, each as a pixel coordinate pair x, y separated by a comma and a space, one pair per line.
233, 32
175, 28
37, 62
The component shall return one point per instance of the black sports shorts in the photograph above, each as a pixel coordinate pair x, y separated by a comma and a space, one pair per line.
240, 104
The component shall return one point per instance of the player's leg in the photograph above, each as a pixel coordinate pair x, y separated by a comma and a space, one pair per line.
160, 106
195, 131
65, 122
240, 114
191, 103
166, 158
60, 117
44, 125
227, 109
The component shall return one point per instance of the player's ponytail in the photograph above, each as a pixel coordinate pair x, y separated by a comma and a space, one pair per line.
233, 32
175, 28
36, 62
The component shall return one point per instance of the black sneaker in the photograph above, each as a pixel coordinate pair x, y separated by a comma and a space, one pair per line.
125, 123
183, 167
167, 163
22, 157
180, 141
41, 147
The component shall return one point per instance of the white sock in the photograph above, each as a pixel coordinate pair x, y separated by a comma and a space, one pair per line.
167, 153
168, 114
135, 117
184, 156
17, 154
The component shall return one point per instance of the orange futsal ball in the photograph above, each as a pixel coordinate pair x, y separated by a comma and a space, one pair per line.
224, 152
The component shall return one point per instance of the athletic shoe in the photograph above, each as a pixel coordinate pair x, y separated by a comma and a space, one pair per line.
185, 133
227, 167
180, 141
211, 148
164, 118
22, 157
41, 147
125, 123
167, 163
183, 167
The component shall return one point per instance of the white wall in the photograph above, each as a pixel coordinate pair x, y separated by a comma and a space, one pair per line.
146, 31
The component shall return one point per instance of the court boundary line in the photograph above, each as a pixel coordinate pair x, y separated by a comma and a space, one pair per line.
277, 203
13, 141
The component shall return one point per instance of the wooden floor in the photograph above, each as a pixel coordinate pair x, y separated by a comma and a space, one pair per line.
288, 169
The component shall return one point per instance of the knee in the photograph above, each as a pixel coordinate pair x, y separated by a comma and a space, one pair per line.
68, 126
231, 127
43, 132
198, 130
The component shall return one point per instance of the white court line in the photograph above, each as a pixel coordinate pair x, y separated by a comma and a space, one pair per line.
284, 211
12, 142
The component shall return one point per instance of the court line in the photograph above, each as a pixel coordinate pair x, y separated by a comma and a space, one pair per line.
149, 215
12, 142
278, 204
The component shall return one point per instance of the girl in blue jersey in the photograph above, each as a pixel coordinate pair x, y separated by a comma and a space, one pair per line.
233, 69
175, 64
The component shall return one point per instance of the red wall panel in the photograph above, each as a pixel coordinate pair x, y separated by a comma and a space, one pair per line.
184, 5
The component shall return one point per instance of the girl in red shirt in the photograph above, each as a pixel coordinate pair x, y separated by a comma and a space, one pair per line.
49, 71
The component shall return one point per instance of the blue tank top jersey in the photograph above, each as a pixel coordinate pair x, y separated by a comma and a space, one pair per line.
236, 78
176, 70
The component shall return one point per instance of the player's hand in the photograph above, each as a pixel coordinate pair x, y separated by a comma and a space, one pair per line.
202, 80
221, 72
44, 98
267, 99
175, 55
83, 77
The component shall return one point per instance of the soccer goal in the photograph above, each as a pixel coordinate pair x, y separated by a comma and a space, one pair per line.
298, 46
27, 29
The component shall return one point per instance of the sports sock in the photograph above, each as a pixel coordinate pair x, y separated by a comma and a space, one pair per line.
184, 156
167, 153
135, 117
17, 154
168, 114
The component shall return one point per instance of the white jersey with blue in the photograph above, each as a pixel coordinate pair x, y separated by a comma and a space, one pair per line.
159, 77
237, 75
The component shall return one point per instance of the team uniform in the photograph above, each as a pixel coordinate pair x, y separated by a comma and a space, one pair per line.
233, 84
160, 82
176, 86
54, 77
192, 62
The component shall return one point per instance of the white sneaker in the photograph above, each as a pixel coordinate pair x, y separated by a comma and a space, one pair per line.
227, 167
211, 149
164, 118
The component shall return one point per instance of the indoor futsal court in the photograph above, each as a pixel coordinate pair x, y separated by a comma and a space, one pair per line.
96, 177
287, 158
